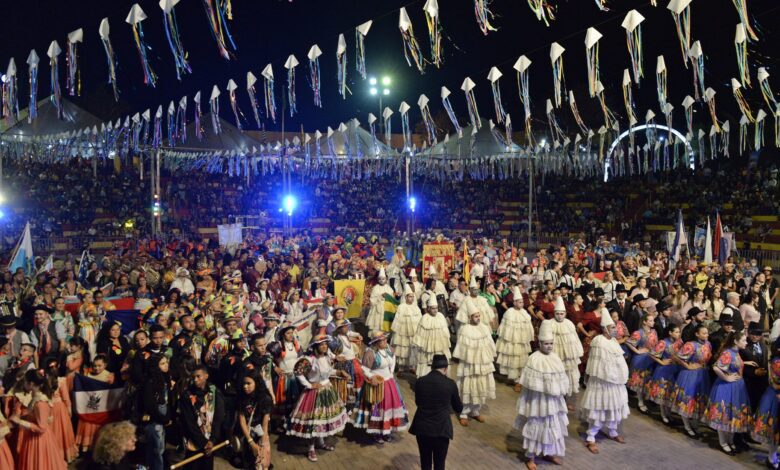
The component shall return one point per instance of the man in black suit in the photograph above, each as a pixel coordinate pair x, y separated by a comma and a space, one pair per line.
620, 302
756, 356
435, 395
633, 318
663, 318
718, 336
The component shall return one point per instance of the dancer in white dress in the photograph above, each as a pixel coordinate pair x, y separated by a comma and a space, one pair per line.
476, 351
541, 407
567, 345
404, 326
472, 301
376, 314
605, 400
432, 337
514, 339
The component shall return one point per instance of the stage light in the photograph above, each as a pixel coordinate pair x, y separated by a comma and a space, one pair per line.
374, 91
412, 203
386, 81
289, 204
372, 80
385, 92
2, 198
2, 214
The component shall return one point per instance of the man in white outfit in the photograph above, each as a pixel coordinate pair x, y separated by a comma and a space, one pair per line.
376, 314
183, 282
475, 301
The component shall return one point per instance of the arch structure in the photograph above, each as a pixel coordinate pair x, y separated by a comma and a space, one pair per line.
657, 127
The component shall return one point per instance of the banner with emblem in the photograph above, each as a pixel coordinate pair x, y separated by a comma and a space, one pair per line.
391, 306
440, 255
349, 294
97, 402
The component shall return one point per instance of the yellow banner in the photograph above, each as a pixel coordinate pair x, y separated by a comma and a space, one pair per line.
349, 293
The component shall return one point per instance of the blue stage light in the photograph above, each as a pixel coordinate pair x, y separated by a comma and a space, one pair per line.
289, 204
412, 203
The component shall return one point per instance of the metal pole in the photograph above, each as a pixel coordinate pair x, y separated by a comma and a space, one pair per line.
408, 194
157, 190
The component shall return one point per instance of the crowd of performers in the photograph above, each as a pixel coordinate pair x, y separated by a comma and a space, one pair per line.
239, 361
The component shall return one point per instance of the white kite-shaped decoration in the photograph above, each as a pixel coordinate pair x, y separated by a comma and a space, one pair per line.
174, 38
435, 31
521, 66
736, 89
744, 123
270, 98
559, 85
758, 141
10, 98
592, 38
290, 65
341, 64
576, 113
73, 82
725, 139
214, 110
633, 26
628, 97
430, 125
104, 30
494, 75
405, 129
660, 80
445, 99
766, 89
776, 115
697, 64
314, 73
668, 111
709, 98
56, 93
237, 114
135, 19
543, 10
681, 12
181, 119
251, 80
361, 32
471, 102
32, 63
412, 51
740, 44
688, 107
157, 129
386, 115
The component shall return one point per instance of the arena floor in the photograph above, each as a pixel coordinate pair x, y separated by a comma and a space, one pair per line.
494, 444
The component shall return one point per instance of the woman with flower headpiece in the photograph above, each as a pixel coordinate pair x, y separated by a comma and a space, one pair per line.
89, 320
286, 352
37, 449
319, 412
113, 344
380, 407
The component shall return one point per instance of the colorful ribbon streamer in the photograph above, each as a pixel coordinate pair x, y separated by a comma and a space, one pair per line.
216, 125
405, 129
681, 12
157, 136
430, 125
181, 119
592, 38
250, 90
10, 98
736, 88
150, 78
172, 136
521, 66
661, 75
743, 132
199, 131
73, 83
290, 65
360, 47
484, 15
766, 89
270, 98
633, 26
445, 99
174, 41
341, 63
494, 77
628, 99
431, 9
740, 44
54, 77
32, 62
217, 11
543, 10
744, 18
471, 103
314, 74
556, 57
576, 113
412, 52
110, 56
237, 114
697, 64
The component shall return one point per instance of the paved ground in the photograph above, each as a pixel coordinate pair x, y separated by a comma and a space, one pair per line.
494, 444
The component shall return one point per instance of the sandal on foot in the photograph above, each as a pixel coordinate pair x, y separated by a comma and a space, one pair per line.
553, 459
479, 419
592, 447
312, 456
464, 422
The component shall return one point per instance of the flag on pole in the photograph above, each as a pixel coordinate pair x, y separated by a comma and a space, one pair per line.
708, 244
48, 266
97, 402
84, 265
680, 238
23, 255
391, 306
466, 263
719, 242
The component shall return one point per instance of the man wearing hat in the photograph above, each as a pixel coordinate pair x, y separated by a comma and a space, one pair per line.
620, 302
432, 337
634, 317
183, 282
476, 352
696, 317
541, 407
663, 318
47, 336
726, 326
220, 345
376, 314
15, 337
605, 400
755, 357
435, 395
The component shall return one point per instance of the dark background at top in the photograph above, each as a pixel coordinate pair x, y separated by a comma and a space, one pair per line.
269, 30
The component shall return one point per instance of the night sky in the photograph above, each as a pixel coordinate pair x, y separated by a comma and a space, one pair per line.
269, 30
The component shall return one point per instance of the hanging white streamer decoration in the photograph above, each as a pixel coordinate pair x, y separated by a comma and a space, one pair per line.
494, 75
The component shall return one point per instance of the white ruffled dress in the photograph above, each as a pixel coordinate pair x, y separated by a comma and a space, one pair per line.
605, 398
541, 408
432, 337
515, 334
476, 351
567, 345
404, 326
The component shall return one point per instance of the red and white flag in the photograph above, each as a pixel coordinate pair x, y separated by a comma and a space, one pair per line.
97, 402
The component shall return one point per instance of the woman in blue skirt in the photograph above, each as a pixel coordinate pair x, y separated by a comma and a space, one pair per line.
693, 381
766, 426
659, 388
642, 342
728, 408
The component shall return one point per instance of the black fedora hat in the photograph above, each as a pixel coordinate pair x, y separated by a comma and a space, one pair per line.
439, 361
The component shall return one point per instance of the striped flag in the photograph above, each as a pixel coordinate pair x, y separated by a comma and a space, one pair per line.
391, 306
97, 402
23, 255
719, 243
